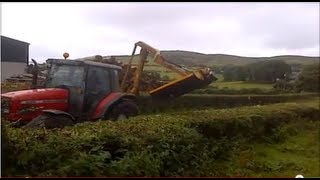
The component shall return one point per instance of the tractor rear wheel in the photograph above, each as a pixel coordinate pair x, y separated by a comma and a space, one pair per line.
123, 110
50, 121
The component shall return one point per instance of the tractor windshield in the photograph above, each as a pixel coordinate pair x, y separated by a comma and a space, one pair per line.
67, 75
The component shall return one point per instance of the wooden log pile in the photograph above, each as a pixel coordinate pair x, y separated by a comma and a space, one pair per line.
14, 86
23, 78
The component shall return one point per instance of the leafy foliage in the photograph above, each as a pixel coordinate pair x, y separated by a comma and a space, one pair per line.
268, 71
235, 73
232, 91
179, 144
263, 71
308, 80
149, 105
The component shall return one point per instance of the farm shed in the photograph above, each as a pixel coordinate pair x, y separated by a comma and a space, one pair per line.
14, 57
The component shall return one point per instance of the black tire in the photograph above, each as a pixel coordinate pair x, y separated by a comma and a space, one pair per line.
50, 121
17, 124
126, 108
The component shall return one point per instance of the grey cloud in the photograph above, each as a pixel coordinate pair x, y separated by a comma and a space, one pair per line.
41, 53
288, 26
283, 25
178, 26
141, 15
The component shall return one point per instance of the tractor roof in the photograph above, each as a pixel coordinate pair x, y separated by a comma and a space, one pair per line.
83, 63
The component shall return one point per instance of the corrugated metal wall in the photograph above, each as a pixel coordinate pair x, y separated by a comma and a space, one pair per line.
14, 57
14, 50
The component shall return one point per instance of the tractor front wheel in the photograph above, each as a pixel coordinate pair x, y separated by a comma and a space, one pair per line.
123, 110
50, 121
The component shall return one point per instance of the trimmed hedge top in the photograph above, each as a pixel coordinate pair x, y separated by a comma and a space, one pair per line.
150, 145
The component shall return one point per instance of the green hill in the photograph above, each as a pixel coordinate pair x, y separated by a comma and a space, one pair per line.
193, 58
189, 58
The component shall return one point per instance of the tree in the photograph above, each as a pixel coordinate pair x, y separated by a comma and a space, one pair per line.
241, 73
228, 73
235, 73
308, 79
268, 71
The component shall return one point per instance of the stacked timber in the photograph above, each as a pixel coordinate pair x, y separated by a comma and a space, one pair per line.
23, 78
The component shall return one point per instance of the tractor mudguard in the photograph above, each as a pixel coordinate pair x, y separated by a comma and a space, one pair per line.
58, 112
108, 101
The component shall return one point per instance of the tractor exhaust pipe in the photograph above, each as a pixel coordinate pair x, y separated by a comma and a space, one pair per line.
34, 72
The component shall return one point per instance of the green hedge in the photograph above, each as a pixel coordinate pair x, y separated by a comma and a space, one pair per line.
229, 91
149, 105
150, 145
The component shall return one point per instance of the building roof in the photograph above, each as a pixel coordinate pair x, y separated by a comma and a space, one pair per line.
15, 39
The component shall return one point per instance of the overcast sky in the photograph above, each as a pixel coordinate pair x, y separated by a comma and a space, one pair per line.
85, 29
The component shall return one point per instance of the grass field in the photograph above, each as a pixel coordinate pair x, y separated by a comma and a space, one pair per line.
220, 83
298, 154
241, 85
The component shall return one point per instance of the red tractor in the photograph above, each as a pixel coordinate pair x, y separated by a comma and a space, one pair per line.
74, 91
79, 90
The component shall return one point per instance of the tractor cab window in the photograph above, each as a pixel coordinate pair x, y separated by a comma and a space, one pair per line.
98, 87
98, 80
66, 75
116, 80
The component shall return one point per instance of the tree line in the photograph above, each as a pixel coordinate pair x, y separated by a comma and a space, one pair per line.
294, 76
264, 71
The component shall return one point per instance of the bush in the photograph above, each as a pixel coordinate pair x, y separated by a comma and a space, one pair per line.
154, 145
149, 105
228, 91
308, 79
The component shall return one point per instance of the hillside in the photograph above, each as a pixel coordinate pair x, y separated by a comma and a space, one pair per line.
189, 58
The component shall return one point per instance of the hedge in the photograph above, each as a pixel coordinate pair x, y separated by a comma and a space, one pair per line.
150, 105
230, 91
150, 145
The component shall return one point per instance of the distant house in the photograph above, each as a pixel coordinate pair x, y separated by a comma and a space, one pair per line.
14, 57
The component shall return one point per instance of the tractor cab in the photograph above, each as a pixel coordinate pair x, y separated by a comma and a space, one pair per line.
88, 83
73, 91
